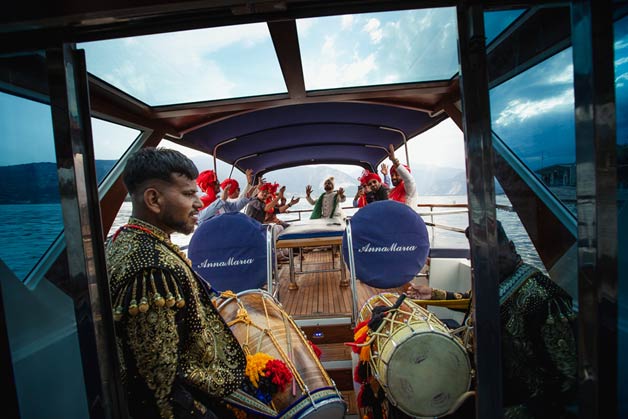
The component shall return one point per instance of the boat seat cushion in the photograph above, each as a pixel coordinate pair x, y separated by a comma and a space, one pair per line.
390, 244
229, 252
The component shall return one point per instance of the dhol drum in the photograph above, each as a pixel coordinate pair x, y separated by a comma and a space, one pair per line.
423, 369
261, 325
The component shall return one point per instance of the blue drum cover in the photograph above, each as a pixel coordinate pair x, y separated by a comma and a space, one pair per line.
390, 243
229, 252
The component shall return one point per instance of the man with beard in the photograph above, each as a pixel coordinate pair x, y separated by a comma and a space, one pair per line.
328, 204
374, 189
231, 200
178, 357
404, 186
539, 357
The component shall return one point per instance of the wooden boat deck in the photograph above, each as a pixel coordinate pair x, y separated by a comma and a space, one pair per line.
319, 294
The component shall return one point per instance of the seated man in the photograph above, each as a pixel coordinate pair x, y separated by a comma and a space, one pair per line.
208, 183
230, 200
328, 204
374, 189
258, 208
360, 197
539, 356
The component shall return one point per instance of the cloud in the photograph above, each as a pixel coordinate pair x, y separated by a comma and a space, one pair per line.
517, 110
565, 76
372, 27
346, 22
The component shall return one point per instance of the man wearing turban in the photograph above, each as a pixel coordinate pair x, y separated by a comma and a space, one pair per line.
230, 200
207, 181
327, 205
404, 190
373, 187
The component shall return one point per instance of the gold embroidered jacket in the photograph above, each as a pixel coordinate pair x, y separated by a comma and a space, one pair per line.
174, 347
539, 358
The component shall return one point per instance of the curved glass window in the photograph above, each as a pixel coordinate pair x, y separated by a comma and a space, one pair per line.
30, 208
378, 48
621, 100
189, 66
110, 142
534, 114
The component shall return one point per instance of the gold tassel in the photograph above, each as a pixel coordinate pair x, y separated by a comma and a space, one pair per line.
143, 307
158, 300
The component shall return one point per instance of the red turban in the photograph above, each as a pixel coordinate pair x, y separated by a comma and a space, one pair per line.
394, 169
266, 187
206, 179
230, 182
368, 176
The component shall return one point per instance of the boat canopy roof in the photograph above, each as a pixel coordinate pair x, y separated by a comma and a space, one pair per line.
293, 135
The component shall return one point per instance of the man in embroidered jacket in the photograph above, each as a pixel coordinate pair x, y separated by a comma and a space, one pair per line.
328, 204
539, 357
177, 355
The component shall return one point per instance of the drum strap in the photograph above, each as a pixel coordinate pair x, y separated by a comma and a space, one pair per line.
244, 400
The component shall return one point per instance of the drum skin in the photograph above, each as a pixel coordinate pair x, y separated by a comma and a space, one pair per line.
265, 313
421, 366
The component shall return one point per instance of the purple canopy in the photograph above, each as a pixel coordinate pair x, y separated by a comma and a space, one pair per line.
315, 133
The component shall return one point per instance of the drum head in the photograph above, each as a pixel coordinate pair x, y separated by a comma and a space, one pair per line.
427, 373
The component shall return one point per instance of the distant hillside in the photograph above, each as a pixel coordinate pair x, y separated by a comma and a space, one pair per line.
36, 183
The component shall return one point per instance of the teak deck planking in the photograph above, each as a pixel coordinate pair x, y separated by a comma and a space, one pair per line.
319, 294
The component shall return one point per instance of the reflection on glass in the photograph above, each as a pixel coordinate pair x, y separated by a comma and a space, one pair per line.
534, 114
30, 209
621, 100
379, 48
495, 22
190, 66
110, 142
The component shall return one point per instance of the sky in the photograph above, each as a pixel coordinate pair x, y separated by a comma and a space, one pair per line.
337, 51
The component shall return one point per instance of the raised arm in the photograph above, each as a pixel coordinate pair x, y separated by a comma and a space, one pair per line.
308, 195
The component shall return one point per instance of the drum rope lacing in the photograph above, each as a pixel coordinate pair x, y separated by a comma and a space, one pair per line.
242, 316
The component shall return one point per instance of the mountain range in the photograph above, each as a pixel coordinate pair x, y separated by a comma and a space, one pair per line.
36, 183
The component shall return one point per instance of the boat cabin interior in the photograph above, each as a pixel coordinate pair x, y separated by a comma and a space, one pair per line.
537, 91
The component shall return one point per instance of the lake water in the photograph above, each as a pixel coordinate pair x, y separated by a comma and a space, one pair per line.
26, 231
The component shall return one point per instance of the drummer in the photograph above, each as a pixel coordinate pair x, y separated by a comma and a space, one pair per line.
539, 356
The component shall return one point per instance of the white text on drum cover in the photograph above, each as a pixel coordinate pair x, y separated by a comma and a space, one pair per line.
229, 262
367, 248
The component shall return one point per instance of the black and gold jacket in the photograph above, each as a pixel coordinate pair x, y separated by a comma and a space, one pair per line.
175, 349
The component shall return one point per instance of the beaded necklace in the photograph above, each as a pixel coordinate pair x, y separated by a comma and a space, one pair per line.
153, 231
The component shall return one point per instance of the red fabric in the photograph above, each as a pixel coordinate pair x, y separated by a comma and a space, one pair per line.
231, 182
208, 198
394, 169
278, 372
206, 179
362, 201
266, 187
368, 176
399, 192
316, 349
269, 199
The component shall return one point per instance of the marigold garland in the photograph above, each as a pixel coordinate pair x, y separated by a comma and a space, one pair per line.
255, 365
266, 376
278, 373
